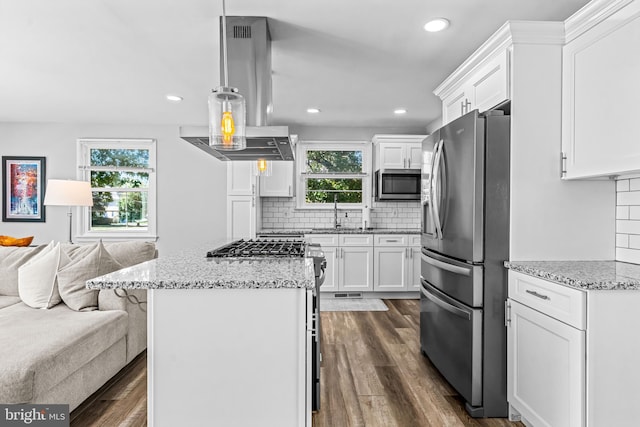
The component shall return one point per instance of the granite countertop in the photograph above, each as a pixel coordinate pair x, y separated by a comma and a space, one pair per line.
192, 270
586, 275
340, 231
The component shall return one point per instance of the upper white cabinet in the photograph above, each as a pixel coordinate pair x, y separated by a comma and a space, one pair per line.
280, 183
240, 179
483, 87
601, 65
397, 151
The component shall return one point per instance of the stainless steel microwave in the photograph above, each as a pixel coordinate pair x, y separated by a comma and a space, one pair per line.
397, 184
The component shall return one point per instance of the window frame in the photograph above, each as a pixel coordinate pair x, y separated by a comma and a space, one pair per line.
301, 166
83, 220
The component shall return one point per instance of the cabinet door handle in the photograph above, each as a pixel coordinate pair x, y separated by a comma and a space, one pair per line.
409, 160
406, 252
461, 108
253, 189
291, 194
535, 294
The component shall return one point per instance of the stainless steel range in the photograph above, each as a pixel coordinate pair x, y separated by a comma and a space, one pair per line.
287, 248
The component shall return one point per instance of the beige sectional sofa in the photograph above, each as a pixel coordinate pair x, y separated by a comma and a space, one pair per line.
58, 354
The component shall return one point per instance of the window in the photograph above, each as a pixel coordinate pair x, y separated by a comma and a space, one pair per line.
122, 176
333, 171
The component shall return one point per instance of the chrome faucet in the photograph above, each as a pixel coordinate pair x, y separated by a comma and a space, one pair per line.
335, 211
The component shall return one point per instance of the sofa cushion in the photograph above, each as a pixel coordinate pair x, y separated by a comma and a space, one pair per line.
73, 276
6, 301
40, 348
11, 258
37, 278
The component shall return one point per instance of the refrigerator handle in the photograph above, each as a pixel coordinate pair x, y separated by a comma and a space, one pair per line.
435, 182
431, 184
446, 266
445, 305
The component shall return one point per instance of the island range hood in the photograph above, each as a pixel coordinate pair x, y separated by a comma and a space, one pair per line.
249, 62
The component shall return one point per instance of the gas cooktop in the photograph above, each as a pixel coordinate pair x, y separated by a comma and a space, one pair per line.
289, 248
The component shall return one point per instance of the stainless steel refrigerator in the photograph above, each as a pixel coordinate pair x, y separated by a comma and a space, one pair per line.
465, 240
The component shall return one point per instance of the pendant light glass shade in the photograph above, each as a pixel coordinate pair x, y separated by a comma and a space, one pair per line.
227, 115
262, 167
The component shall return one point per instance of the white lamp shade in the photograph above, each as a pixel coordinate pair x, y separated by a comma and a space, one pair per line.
62, 192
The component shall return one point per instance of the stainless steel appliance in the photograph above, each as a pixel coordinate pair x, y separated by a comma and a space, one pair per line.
288, 248
465, 240
397, 184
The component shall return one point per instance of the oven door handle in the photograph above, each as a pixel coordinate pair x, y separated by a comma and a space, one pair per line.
445, 305
446, 266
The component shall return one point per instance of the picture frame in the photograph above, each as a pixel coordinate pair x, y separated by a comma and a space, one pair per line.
23, 184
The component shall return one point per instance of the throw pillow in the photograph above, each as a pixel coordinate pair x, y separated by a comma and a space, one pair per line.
37, 279
131, 252
15, 241
73, 276
11, 258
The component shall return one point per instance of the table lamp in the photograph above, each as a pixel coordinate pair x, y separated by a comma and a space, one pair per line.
62, 192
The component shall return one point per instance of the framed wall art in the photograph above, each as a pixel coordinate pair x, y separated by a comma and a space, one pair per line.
23, 181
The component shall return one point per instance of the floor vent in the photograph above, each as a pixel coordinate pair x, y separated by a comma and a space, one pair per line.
348, 295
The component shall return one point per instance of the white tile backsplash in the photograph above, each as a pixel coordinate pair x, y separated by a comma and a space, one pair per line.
279, 212
628, 220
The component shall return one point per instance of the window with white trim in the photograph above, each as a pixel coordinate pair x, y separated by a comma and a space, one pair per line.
123, 184
333, 171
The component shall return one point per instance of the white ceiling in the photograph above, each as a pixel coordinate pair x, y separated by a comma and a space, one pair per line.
113, 61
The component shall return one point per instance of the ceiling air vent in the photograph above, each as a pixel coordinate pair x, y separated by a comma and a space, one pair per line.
242, 31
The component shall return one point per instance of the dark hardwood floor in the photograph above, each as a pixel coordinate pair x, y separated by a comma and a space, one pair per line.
372, 375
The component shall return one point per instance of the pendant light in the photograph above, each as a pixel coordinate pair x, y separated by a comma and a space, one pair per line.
227, 110
262, 167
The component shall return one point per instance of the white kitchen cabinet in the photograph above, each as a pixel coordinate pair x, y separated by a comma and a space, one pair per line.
280, 183
349, 261
240, 179
486, 86
398, 151
601, 65
243, 203
241, 217
571, 354
392, 265
415, 261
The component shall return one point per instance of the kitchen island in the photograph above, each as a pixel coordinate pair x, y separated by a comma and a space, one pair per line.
228, 340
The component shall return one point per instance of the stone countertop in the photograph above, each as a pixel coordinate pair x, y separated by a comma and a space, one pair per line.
586, 275
339, 231
191, 269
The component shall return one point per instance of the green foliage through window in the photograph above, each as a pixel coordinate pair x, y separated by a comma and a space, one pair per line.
126, 205
339, 164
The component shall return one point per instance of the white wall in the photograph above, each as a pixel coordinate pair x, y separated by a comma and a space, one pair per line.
191, 184
551, 219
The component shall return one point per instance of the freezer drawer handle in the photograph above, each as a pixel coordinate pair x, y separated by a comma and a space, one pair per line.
535, 294
446, 266
446, 306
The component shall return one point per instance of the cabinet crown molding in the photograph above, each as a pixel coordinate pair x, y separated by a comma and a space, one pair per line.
591, 14
511, 33
397, 138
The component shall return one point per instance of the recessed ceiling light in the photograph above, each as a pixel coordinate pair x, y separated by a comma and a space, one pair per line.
174, 98
436, 25
400, 111
313, 110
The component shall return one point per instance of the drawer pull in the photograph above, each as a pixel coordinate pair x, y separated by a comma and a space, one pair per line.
535, 294
391, 240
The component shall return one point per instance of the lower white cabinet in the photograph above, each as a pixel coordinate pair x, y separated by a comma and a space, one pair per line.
572, 354
396, 262
349, 261
546, 367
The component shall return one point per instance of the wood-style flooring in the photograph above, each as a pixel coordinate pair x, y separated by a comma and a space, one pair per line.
372, 375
